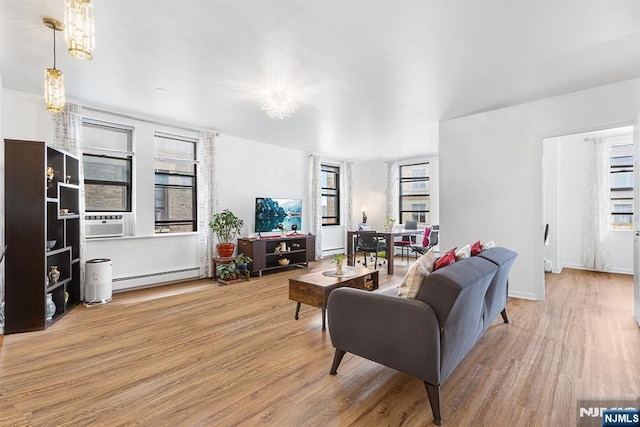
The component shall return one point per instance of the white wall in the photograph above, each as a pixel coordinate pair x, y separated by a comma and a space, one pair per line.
491, 171
247, 169
551, 203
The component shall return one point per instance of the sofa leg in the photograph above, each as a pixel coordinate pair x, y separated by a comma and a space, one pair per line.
433, 391
504, 316
337, 358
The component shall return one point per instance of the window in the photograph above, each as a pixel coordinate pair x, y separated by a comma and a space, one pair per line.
330, 194
621, 181
175, 184
107, 162
414, 193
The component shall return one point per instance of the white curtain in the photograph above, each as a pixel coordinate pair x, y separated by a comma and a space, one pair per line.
392, 191
207, 193
597, 217
347, 174
68, 137
316, 203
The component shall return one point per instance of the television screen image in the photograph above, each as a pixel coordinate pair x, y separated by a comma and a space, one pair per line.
271, 212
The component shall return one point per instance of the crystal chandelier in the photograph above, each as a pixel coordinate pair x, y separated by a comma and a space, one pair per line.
279, 104
53, 78
79, 28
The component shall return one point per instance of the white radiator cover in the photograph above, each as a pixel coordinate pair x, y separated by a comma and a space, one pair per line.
155, 279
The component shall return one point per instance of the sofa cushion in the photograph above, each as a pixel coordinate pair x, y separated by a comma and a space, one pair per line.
414, 278
448, 258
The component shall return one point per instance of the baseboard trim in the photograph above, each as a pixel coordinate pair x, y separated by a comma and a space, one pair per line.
613, 270
155, 279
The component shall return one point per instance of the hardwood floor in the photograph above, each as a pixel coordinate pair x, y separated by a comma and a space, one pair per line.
197, 354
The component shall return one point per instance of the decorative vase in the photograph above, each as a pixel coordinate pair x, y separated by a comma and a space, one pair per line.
283, 246
225, 250
54, 274
50, 307
338, 269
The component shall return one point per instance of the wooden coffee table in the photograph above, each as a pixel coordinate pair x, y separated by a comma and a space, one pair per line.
314, 288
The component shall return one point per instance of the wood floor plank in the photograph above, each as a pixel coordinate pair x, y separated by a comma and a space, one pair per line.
199, 354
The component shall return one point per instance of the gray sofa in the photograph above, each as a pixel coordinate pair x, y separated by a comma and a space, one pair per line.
426, 337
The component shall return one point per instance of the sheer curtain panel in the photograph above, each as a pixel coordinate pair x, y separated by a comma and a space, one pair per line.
596, 233
207, 193
68, 137
316, 203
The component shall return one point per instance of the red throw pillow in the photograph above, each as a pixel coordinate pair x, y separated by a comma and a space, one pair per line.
425, 237
476, 248
446, 259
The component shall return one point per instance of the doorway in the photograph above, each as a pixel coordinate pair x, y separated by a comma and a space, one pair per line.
568, 196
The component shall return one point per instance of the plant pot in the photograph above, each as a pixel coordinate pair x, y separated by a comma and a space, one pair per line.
225, 250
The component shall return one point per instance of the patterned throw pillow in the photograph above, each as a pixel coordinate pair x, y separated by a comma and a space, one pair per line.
488, 245
425, 237
414, 278
446, 259
463, 252
476, 248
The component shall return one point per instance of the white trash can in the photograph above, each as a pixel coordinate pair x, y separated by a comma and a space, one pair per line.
97, 284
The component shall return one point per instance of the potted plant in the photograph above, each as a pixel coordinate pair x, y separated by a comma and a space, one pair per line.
225, 225
339, 260
227, 272
389, 223
241, 262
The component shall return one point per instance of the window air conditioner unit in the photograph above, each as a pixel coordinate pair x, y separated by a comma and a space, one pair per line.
103, 226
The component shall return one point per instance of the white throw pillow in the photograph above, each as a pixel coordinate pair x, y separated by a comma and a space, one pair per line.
463, 252
412, 281
488, 245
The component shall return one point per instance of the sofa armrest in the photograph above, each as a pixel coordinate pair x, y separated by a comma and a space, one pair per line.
400, 333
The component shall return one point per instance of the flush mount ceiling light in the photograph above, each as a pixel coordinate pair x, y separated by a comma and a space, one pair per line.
79, 28
279, 104
53, 78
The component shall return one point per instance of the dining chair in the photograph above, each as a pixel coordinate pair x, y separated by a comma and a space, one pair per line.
429, 240
407, 240
369, 242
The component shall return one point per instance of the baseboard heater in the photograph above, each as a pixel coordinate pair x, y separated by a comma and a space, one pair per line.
155, 279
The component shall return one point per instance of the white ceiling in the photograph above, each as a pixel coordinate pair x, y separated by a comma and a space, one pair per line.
373, 77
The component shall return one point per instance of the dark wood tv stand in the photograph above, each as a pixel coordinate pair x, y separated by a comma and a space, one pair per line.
301, 249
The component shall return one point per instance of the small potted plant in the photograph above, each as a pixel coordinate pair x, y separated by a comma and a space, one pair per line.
338, 259
227, 273
225, 225
241, 262
389, 223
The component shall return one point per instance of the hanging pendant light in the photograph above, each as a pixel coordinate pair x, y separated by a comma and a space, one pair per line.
80, 28
53, 78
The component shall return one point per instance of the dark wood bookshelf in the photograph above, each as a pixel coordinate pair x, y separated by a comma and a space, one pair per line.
32, 217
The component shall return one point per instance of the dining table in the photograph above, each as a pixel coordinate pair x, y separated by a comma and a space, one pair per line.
389, 237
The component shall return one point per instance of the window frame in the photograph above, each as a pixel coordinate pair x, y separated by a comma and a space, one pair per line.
325, 192
615, 169
159, 225
110, 153
415, 181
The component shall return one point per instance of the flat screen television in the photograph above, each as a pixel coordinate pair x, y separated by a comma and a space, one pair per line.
271, 212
